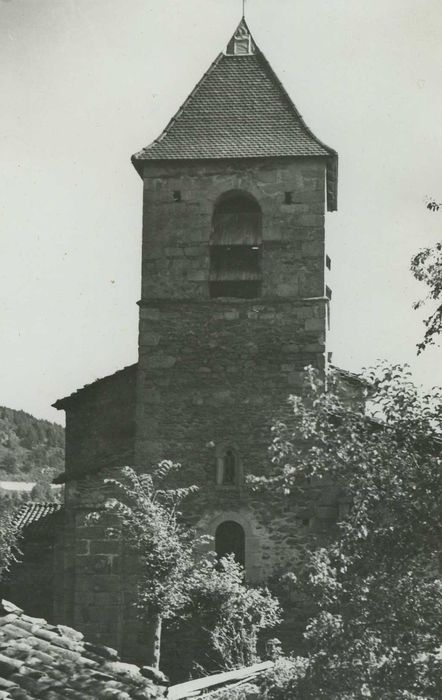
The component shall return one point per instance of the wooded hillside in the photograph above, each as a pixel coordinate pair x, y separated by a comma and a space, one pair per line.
31, 449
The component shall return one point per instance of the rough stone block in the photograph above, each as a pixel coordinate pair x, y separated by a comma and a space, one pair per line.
199, 276
231, 315
314, 324
105, 547
150, 339
148, 312
82, 546
161, 361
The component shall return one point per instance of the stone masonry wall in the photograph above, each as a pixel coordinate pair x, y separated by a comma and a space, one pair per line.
104, 572
176, 234
100, 424
218, 371
211, 372
100, 431
96, 575
32, 581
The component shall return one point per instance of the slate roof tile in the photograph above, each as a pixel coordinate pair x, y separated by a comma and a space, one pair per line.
238, 110
38, 660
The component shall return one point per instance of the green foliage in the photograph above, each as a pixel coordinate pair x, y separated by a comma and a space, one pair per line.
426, 266
43, 493
287, 673
164, 548
175, 581
377, 626
30, 449
248, 691
9, 535
9, 463
432, 205
231, 613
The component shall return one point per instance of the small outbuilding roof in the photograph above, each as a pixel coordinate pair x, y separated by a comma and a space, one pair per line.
39, 660
41, 515
89, 388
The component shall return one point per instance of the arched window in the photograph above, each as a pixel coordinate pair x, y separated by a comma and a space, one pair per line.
230, 539
236, 247
228, 467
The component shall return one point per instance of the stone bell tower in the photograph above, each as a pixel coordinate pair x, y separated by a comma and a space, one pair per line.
234, 303
233, 307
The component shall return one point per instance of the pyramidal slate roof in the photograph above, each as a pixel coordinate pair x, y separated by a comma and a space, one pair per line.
239, 109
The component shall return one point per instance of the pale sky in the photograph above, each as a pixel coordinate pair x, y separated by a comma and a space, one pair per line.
86, 83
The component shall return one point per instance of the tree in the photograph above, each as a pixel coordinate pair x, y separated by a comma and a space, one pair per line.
9, 535
426, 266
377, 625
230, 614
9, 463
174, 577
42, 492
164, 549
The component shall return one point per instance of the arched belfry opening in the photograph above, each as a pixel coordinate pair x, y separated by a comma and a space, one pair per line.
230, 539
236, 247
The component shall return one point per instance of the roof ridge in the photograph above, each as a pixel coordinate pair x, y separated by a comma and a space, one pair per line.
292, 105
199, 84
180, 110
58, 403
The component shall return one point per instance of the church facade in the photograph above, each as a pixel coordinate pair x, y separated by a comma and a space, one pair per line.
234, 304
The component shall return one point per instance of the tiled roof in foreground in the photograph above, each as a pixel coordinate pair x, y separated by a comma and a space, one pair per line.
54, 662
239, 109
37, 514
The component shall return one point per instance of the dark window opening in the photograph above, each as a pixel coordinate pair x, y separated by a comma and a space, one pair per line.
236, 248
231, 262
177, 195
328, 262
288, 198
328, 292
237, 290
230, 539
229, 471
236, 221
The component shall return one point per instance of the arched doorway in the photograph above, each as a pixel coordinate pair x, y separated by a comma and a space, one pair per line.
230, 539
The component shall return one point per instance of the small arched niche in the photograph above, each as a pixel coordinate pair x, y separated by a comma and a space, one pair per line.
228, 467
236, 247
230, 539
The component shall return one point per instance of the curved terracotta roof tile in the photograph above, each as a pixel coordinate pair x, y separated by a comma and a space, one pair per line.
39, 660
